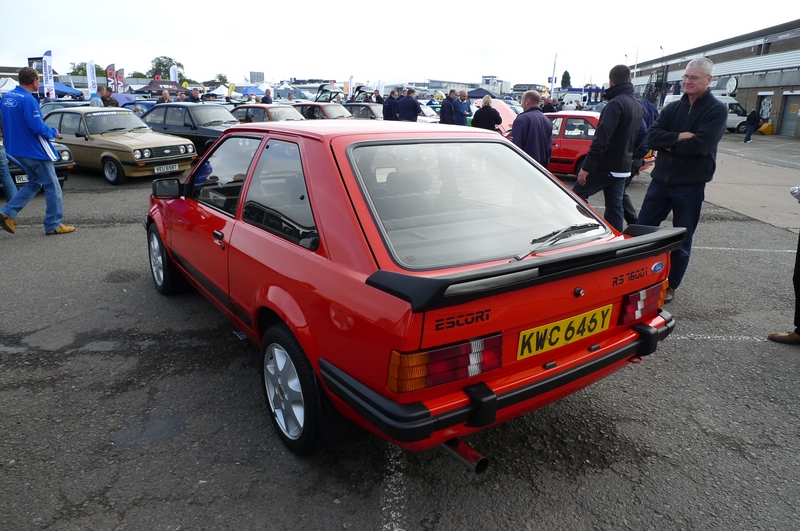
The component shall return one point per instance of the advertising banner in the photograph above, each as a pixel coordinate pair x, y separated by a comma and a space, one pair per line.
91, 78
47, 75
111, 78
173, 73
121, 80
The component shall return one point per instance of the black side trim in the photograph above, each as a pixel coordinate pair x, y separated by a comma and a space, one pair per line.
428, 293
204, 281
413, 422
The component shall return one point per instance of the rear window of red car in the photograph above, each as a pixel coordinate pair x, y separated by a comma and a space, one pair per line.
453, 203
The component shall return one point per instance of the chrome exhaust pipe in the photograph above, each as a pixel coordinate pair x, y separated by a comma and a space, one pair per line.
466, 454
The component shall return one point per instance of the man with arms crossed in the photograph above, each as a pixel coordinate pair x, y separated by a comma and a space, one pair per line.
27, 139
686, 134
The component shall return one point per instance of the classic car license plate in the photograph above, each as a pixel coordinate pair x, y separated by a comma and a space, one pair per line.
21, 179
554, 335
168, 167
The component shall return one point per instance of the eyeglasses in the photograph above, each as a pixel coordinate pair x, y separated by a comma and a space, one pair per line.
693, 78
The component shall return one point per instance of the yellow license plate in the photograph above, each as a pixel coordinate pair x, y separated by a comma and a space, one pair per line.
555, 335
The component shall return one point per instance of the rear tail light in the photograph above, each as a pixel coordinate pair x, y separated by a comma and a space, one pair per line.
638, 304
419, 370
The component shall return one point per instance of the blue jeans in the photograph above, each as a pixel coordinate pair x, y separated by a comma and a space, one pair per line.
613, 189
749, 132
41, 175
685, 203
5, 176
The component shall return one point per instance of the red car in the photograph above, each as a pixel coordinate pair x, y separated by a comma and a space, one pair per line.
422, 283
573, 132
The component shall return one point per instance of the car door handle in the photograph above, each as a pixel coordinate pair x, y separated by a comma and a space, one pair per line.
218, 235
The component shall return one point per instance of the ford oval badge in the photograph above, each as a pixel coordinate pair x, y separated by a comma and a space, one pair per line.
657, 267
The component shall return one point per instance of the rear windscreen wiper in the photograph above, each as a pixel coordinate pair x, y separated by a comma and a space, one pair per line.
552, 237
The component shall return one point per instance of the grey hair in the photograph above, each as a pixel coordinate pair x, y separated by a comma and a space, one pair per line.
704, 63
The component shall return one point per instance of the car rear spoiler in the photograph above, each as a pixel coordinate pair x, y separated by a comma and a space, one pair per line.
429, 293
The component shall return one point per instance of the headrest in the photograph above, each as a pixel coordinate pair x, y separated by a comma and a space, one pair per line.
408, 183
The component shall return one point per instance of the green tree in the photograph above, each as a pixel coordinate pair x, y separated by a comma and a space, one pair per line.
221, 78
566, 82
138, 75
79, 69
163, 64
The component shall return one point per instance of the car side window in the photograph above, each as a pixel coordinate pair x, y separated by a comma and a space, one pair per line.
218, 182
156, 116
557, 126
258, 115
175, 116
277, 199
71, 124
240, 114
578, 128
54, 120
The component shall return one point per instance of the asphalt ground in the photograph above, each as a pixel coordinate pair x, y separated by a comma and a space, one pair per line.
121, 409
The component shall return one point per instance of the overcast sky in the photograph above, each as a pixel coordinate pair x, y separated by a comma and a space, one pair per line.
410, 42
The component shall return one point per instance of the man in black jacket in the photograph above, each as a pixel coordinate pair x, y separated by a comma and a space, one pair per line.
608, 163
390, 106
446, 112
686, 134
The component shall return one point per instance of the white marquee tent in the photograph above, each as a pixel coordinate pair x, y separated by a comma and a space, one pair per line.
7, 84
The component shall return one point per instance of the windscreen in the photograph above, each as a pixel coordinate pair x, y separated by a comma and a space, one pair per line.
113, 121
453, 203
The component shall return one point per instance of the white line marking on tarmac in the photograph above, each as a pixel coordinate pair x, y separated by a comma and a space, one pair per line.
695, 247
708, 337
393, 493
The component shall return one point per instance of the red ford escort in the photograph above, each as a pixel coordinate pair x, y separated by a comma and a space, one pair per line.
421, 283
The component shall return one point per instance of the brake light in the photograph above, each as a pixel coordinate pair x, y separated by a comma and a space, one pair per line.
638, 304
419, 370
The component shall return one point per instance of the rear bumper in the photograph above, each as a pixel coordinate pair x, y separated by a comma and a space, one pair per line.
409, 423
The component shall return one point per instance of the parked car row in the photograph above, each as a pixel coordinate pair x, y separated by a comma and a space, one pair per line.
199, 125
117, 142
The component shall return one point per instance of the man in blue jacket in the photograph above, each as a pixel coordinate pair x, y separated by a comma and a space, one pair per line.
408, 108
686, 134
461, 109
390, 107
532, 131
27, 138
608, 162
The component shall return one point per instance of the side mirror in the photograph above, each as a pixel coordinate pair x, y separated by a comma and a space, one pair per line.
168, 188
82, 135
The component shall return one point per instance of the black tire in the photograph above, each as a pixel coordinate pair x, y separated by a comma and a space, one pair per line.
741, 128
166, 278
290, 390
113, 172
